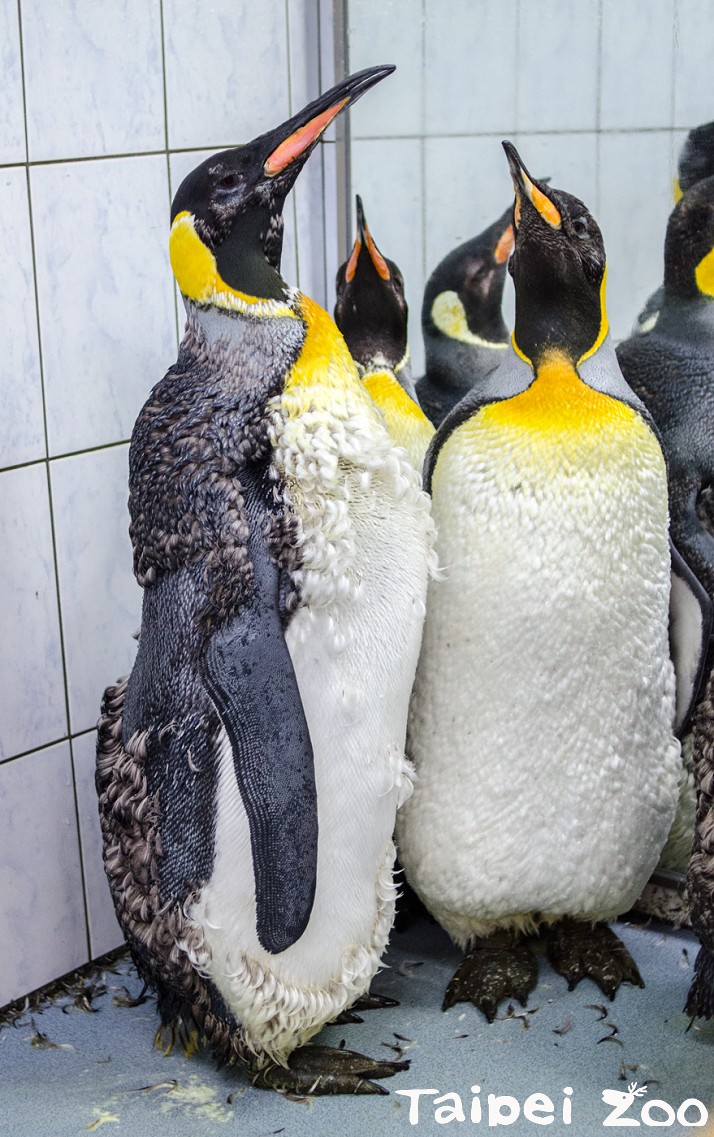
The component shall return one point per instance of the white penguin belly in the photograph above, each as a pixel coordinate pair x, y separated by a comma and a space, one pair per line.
354, 642
540, 725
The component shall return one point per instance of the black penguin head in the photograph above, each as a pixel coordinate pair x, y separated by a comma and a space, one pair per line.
226, 217
371, 311
696, 159
558, 268
689, 244
462, 298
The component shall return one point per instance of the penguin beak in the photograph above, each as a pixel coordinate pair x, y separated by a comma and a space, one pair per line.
364, 239
527, 190
289, 145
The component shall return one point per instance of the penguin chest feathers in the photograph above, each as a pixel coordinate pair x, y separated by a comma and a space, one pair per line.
541, 719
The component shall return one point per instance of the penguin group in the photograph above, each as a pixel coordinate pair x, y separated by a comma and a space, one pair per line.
468, 614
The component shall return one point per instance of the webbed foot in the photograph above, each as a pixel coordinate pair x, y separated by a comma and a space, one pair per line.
324, 1070
578, 950
498, 967
700, 1000
366, 1002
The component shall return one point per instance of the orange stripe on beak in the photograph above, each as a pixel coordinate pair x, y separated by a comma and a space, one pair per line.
293, 146
351, 267
377, 259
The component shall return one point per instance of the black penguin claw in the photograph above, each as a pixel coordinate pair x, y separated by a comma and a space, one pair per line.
323, 1070
370, 1002
700, 1000
498, 967
578, 950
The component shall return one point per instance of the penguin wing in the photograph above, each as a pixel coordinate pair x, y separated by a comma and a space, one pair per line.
248, 672
690, 619
510, 378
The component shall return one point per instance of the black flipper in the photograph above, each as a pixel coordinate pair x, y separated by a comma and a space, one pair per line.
249, 675
690, 618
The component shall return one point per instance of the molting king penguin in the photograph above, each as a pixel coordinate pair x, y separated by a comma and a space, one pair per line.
672, 370
541, 725
464, 334
371, 313
696, 162
250, 769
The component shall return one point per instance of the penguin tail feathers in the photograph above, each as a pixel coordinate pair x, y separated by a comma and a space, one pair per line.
700, 1000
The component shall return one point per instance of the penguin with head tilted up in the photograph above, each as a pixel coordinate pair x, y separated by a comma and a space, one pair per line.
672, 370
248, 778
465, 337
541, 724
696, 162
371, 312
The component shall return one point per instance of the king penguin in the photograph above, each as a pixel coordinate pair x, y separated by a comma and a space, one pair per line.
672, 370
465, 337
696, 162
541, 725
250, 768
371, 312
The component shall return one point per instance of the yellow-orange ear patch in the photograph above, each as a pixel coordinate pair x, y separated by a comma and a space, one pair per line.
504, 248
704, 274
193, 263
297, 142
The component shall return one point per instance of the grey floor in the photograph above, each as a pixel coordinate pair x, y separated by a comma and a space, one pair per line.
64, 1072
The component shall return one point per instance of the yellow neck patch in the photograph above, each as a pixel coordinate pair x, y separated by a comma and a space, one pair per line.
704, 274
558, 402
449, 316
676, 190
386, 390
325, 359
196, 272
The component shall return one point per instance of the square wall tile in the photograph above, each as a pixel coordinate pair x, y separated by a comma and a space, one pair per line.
635, 202
101, 601
22, 438
557, 65
107, 317
470, 63
94, 78
104, 931
42, 921
394, 218
226, 70
12, 120
388, 33
636, 73
306, 81
32, 698
694, 50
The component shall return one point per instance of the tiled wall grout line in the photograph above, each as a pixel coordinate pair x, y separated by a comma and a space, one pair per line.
166, 144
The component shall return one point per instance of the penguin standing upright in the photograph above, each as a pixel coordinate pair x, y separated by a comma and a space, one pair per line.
250, 769
696, 162
672, 370
371, 312
465, 337
541, 719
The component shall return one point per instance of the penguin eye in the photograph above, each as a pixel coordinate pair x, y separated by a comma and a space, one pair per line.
580, 227
230, 181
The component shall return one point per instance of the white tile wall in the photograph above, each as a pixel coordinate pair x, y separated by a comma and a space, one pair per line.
596, 94
43, 923
93, 81
111, 90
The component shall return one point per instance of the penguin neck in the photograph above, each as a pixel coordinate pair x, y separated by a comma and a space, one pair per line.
690, 317
233, 340
456, 365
